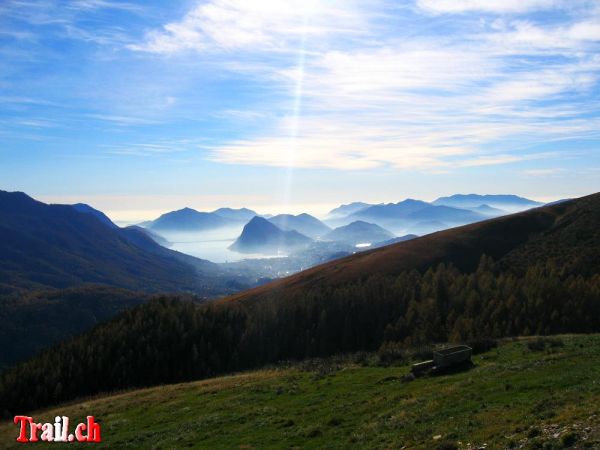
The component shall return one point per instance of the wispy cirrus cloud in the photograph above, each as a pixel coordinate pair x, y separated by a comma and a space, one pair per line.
256, 25
493, 6
152, 148
543, 172
416, 99
423, 85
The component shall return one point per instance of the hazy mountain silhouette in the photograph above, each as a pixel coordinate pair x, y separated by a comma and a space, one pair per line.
427, 226
346, 210
444, 214
261, 236
416, 216
487, 210
240, 215
359, 232
303, 223
189, 220
160, 240
502, 201
389, 211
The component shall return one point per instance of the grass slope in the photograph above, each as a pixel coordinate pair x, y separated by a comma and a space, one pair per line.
513, 398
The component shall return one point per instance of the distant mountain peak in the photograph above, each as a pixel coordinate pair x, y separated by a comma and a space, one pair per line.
261, 236
239, 214
412, 201
358, 232
189, 220
260, 221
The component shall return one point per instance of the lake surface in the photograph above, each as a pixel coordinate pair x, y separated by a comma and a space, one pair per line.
211, 245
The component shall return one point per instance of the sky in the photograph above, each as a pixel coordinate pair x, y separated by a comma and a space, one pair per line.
141, 107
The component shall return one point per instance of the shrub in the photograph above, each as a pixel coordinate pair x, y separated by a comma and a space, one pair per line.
391, 353
482, 345
540, 344
569, 439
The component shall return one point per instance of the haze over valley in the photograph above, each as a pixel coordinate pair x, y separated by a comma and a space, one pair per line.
219, 235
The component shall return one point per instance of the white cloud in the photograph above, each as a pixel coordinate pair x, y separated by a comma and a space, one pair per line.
369, 97
103, 4
524, 37
543, 172
256, 24
490, 6
152, 148
122, 120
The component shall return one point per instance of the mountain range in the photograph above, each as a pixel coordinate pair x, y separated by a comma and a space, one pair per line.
404, 217
420, 217
504, 202
567, 231
416, 216
68, 245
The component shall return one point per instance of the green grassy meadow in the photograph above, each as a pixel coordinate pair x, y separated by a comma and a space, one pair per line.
514, 397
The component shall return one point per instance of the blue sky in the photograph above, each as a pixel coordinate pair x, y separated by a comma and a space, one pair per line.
143, 107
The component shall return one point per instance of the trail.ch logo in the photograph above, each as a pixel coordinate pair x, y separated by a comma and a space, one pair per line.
57, 431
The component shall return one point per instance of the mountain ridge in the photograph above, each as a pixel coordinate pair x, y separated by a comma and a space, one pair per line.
509, 201
58, 246
188, 219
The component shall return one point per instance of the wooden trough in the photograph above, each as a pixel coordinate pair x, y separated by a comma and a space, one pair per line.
444, 358
451, 356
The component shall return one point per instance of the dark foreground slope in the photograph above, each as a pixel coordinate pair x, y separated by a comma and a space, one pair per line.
58, 246
438, 288
33, 321
517, 396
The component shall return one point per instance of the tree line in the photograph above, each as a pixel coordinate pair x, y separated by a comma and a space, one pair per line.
172, 340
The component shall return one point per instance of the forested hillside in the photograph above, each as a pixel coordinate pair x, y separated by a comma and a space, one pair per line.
36, 320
